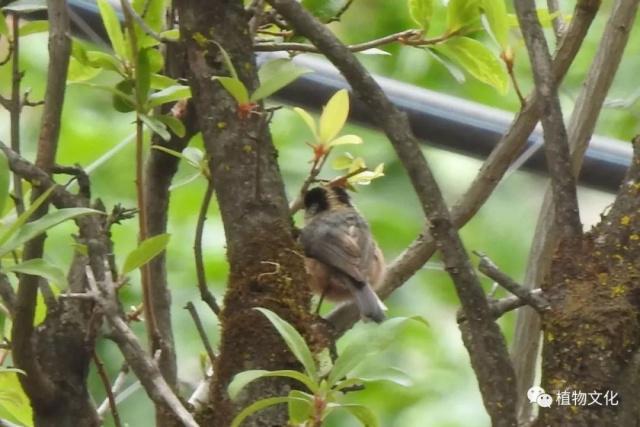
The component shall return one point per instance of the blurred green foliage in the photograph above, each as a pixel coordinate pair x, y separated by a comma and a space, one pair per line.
445, 392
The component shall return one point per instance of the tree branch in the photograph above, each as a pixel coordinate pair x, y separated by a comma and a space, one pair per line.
581, 125
556, 144
205, 293
36, 383
486, 345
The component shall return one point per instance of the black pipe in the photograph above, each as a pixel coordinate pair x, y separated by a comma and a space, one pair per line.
440, 120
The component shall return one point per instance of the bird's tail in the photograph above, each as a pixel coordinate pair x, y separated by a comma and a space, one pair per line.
371, 307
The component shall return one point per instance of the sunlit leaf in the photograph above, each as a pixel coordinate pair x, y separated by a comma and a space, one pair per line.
274, 75
176, 126
152, 11
32, 229
173, 34
79, 72
145, 252
300, 406
34, 27
365, 177
310, 122
14, 404
241, 379
42, 268
156, 126
421, 12
390, 375
498, 20
227, 62
461, 13
235, 88
346, 140
5, 177
453, 69
112, 25
170, 94
334, 115
342, 162
477, 60
294, 341
544, 16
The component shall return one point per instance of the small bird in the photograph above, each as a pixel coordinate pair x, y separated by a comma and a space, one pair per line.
342, 258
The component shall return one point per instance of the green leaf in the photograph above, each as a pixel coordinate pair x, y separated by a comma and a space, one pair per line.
79, 72
26, 6
346, 140
392, 375
274, 75
105, 61
257, 406
112, 25
342, 162
4, 29
235, 88
173, 34
300, 407
24, 217
362, 413
189, 158
334, 115
311, 124
156, 126
227, 62
375, 341
159, 81
455, 71
123, 100
324, 10
152, 11
477, 60
5, 177
170, 94
498, 20
461, 13
421, 12
32, 229
34, 27
145, 252
176, 126
42, 268
14, 404
243, 378
294, 341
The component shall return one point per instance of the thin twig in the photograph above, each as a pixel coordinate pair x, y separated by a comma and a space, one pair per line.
15, 108
205, 293
7, 294
144, 367
102, 373
117, 386
488, 268
557, 21
316, 167
503, 305
201, 332
408, 37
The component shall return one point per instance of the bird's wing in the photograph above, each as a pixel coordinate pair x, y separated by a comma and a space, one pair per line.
340, 240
